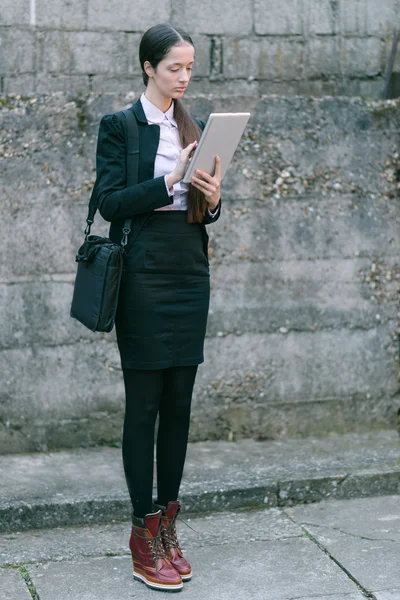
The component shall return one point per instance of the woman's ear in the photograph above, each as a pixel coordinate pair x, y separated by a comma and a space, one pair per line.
148, 69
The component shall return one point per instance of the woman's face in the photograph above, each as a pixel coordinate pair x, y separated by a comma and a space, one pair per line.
172, 74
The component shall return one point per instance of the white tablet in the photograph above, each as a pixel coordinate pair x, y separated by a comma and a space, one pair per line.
221, 137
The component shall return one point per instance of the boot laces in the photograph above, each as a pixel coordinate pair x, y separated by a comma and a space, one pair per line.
156, 546
169, 534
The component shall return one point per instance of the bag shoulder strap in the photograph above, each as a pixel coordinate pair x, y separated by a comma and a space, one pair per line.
132, 169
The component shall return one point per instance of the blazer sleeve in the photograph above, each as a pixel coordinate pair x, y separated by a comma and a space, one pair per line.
114, 199
217, 213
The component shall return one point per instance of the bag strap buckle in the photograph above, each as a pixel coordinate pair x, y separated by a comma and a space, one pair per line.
126, 231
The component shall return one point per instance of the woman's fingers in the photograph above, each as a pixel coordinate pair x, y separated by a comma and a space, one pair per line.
217, 173
205, 187
186, 152
203, 174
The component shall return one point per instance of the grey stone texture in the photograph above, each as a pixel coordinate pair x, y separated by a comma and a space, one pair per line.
61, 14
318, 47
278, 18
68, 487
363, 545
127, 16
302, 335
331, 550
13, 586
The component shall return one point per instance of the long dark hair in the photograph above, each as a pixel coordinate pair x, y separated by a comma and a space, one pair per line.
154, 46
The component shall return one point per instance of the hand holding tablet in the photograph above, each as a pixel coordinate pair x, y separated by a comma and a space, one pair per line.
210, 185
220, 137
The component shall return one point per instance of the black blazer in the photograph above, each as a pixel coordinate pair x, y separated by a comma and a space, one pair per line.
116, 202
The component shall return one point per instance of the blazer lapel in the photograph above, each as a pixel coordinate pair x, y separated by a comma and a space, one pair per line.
149, 137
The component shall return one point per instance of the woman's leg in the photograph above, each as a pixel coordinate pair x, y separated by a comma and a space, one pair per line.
173, 430
143, 390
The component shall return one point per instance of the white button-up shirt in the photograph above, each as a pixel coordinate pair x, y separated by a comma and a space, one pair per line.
169, 149
168, 152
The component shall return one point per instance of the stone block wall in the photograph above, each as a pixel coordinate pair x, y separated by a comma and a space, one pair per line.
251, 47
303, 330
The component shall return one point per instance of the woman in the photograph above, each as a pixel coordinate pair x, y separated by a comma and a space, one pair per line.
162, 312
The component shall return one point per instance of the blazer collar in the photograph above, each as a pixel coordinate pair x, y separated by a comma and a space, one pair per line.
139, 112
155, 115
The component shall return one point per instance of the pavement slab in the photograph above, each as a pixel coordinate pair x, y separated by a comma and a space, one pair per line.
364, 537
66, 543
68, 487
282, 569
328, 550
13, 586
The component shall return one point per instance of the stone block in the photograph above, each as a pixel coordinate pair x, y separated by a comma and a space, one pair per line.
216, 18
370, 88
281, 231
85, 52
132, 49
15, 12
263, 59
37, 313
321, 16
362, 56
324, 57
202, 45
300, 367
20, 84
292, 295
241, 58
226, 87
52, 254
278, 18
18, 51
127, 16
132, 85
71, 381
368, 18
74, 85
59, 14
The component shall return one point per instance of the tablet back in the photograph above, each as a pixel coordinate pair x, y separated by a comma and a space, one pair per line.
221, 136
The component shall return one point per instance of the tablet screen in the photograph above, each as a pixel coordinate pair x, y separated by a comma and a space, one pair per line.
221, 137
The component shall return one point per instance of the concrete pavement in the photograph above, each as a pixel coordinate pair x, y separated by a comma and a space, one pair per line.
329, 550
84, 486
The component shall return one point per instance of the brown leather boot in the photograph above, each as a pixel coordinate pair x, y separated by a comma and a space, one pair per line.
170, 539
150, 563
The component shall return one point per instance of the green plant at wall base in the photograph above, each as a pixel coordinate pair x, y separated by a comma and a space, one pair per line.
5, 103
27, 578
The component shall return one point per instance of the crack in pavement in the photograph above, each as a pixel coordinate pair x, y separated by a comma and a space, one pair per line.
362, 537
361, 588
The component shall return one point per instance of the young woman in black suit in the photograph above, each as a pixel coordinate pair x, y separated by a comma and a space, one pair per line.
164, 300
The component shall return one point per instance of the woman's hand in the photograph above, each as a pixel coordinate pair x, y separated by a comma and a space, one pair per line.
209, 185
181, 165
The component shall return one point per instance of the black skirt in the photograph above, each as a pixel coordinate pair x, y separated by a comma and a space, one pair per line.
163, 305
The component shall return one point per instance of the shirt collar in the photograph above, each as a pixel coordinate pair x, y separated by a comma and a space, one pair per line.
155, 115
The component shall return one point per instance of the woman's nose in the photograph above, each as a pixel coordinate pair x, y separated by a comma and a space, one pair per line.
183, 77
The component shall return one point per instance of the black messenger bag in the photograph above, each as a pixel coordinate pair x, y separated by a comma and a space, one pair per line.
100, 260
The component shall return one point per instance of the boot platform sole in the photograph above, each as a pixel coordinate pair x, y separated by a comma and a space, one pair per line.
187, 577
158, 586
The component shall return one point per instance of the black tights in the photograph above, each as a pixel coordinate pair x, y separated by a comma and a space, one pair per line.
167, 392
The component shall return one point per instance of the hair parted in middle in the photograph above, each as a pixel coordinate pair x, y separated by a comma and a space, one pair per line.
154, 47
